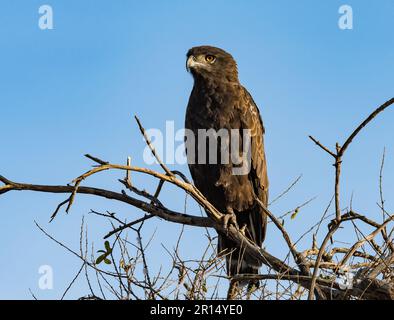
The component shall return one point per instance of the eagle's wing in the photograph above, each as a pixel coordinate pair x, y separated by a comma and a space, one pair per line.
251, 119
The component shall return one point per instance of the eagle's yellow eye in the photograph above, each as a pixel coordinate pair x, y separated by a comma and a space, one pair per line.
210, 58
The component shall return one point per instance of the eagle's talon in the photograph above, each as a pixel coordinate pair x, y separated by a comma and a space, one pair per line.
229, 218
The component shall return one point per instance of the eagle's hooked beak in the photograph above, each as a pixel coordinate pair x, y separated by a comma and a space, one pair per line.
190, 63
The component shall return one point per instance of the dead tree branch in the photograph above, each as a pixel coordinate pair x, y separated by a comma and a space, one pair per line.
328, 267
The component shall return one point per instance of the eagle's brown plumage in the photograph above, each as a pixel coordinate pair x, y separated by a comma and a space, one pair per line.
219, 101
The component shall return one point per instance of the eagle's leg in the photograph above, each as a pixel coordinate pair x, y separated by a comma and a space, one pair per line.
229, 218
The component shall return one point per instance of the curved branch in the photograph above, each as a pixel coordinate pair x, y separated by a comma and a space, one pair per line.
166, 214
349, 140
163, 213
298, 258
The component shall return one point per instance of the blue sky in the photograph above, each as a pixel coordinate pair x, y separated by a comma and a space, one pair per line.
73, 90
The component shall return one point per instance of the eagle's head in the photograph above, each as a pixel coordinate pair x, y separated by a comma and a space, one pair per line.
206, 62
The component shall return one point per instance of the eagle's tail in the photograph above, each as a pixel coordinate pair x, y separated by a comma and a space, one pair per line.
238, 262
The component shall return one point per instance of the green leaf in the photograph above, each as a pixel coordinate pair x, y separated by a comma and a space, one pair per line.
294, 214
101, 251
107, 246
101, 258
107, 261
